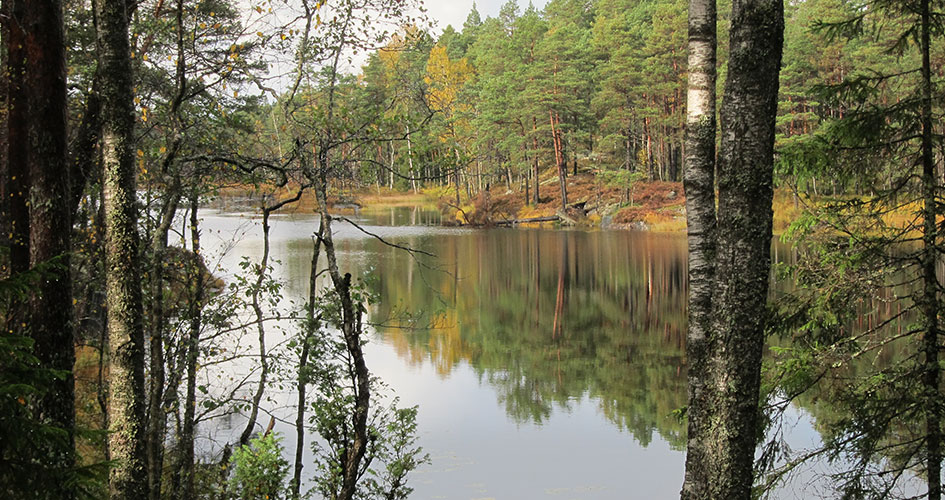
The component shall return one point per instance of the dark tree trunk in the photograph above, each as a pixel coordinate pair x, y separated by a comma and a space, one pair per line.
743, 249
261, 334
262, 270
37, 157
930, 304
157, 418
161, 401
4, 144
185, 490
535, 159
351, 329
83, 163
310, 330
16, 181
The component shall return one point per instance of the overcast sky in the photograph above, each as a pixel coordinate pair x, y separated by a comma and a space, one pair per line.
454, 12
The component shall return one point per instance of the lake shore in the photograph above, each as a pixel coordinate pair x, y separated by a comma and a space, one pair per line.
645, 206
648, 206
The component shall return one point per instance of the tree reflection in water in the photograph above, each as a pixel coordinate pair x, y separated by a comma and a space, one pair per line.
550, 317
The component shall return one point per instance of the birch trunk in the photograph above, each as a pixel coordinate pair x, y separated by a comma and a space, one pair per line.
745, 170
699, 181
413, 177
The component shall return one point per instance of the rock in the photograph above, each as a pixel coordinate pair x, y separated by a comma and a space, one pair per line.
565, 218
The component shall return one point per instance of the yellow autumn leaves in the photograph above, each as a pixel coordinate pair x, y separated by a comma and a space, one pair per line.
446, 78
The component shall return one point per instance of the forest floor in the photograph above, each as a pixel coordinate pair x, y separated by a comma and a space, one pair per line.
658, 206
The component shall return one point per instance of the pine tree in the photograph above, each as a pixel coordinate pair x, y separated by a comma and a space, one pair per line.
878, 130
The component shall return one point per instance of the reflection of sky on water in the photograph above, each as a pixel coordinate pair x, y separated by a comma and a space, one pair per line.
592, 439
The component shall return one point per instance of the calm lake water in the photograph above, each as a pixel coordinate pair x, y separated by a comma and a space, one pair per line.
546, 363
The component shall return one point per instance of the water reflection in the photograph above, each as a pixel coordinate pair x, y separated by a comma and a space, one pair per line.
535, 355
550, 317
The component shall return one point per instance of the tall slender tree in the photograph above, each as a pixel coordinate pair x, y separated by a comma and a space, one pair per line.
39, 204
699, 181
126, 396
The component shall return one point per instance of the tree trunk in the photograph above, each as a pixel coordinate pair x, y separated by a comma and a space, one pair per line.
535, 158
413, 176
699, 180
456, 177
83, 164
262, 270
559, 161
5, 85
390, 177
160, 401
16, 181
351, 330
628, 151
157, 418
44, 220
743, 240
185, 443
310, 330
930, 305
126, 397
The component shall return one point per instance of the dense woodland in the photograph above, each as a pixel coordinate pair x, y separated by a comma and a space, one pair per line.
121, 119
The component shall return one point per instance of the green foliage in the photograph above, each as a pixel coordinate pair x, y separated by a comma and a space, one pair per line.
391, 453
23, 382
259, 470
625, 179
860, 320
397, 453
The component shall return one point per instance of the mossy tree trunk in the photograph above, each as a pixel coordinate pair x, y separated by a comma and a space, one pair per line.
126, 396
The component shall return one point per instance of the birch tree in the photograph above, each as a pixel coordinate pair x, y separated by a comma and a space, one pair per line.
731, 263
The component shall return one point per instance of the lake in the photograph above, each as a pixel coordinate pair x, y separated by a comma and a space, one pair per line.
547, 363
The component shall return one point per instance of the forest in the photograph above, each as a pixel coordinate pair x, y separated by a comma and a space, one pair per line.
799, 146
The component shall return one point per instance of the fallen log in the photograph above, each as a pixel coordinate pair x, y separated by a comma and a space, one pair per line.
512, 222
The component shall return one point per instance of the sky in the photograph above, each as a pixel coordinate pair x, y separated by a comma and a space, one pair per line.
454, 12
